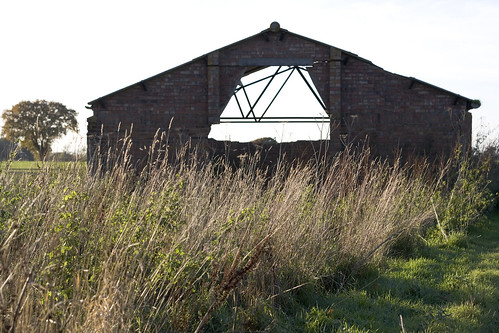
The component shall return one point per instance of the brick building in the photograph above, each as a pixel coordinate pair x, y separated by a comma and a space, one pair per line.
365, 104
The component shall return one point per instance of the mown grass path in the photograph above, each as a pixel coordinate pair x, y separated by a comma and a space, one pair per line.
451, 287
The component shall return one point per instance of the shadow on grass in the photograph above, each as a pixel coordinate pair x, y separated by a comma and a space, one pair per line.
452, 287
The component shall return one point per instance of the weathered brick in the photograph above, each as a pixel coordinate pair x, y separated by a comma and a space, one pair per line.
366, 103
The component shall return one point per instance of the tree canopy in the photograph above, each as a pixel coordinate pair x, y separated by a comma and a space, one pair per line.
37, 124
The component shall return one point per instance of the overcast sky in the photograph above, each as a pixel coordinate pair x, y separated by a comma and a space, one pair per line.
76, 51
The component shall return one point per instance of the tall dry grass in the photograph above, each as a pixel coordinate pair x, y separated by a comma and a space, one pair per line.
112, 250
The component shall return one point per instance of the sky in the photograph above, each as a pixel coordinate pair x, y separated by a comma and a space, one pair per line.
76, 51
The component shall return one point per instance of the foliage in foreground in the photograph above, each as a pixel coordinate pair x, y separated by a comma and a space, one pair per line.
200, 246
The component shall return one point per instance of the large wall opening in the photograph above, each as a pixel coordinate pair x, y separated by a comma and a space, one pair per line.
281, 103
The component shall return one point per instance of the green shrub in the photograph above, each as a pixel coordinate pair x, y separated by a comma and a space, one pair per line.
463, 197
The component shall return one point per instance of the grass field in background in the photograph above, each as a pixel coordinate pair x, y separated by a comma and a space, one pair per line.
32, 166
21, 165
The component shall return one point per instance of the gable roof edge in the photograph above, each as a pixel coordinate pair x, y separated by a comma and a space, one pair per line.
350, 54
471, 104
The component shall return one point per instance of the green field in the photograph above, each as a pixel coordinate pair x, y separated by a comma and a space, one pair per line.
21, 165
32, 166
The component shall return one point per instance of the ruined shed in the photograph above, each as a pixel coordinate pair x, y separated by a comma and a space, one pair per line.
365, 104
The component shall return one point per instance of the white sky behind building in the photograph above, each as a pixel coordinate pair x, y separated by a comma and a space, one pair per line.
76, 51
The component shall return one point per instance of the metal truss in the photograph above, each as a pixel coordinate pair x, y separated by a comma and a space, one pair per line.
250, 116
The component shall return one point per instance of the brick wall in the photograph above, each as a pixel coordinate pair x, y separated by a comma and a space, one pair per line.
366, 104
391, 112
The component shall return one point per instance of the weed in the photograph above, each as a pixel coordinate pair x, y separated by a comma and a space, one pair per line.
184, 246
